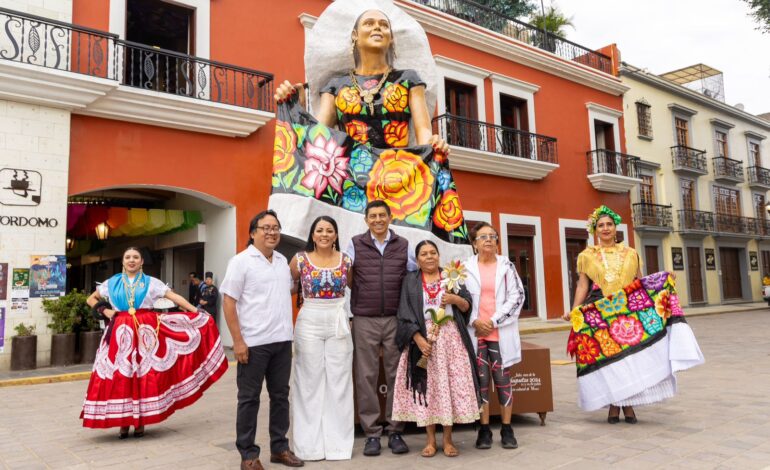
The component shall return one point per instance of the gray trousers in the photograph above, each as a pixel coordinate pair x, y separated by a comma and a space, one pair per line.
369, 335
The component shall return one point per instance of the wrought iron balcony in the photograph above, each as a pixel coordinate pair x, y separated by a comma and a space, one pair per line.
689, 160
728, 170
488, 148
737, 225
763, 225
759, 177
490, 19
652, 217
616, 163
696, 222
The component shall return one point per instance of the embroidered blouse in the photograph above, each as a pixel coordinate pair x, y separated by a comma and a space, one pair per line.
388, 127
610, 269
323, 283
429, 302
156, 290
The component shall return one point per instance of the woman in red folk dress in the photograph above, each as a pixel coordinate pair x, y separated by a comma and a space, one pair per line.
149, 364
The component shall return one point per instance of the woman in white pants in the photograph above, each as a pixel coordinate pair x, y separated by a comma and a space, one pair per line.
322, 394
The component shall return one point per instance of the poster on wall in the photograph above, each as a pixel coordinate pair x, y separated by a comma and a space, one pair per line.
47, 276
3, 281
677, 258
20, 291
2, 328
753, 261
711, 259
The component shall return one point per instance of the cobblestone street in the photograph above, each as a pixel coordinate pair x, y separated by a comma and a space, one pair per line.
719, 419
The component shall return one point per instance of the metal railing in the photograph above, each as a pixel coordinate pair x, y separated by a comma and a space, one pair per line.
43, 42
496, 139
493, 20
697, 221
609, 161
688, 158
737, 224
728, 168
156, 69
652, 215
759, 175
763, 227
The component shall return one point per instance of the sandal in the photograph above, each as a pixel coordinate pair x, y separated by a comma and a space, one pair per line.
428, 451
451, 450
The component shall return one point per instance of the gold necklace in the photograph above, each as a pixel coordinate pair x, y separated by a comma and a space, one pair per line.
368, 95
130, 288
611, 274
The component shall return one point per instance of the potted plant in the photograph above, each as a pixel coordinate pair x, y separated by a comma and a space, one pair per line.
90, 336
64, 313
24, 348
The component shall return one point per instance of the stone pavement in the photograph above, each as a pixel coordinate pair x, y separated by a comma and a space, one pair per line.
720, 419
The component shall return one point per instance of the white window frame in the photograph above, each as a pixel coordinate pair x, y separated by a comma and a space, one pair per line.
464, 73
598, 112
502, 85
506, 219
565, 224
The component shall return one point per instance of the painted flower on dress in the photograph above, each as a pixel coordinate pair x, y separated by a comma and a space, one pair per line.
651, 321
361, 160
673, 303
611, 306
448, 214
588, 350
439, 157
353, 197
594, 318
639, 300
348, 100
576, 318
608, 345
662, 305
284, 146
326, 165
402, 180
397, 133
395, 98
626, 330
655, 281
444, 179
358, 130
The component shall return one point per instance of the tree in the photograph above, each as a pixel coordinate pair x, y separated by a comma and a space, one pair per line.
510, 8
554, 22
760, 11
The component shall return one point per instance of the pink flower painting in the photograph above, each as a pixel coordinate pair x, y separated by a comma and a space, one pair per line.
325, 166
626, 330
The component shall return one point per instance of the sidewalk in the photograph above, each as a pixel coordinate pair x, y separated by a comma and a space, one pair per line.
527, 326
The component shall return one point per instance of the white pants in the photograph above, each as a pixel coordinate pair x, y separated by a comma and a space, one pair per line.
322, 393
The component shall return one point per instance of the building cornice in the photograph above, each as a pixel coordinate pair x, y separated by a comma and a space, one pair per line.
720, 123
461, 67
755, 135
468, 34
661, 83
600, 108
678, 108
514, 83
307, 20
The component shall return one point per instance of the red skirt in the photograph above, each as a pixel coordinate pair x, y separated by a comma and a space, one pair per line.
152, 365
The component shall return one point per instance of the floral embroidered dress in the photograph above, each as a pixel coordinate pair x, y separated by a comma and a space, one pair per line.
451, 393
630, 335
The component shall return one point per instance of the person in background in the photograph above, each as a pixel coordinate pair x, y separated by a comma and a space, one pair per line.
194, 289
209, 295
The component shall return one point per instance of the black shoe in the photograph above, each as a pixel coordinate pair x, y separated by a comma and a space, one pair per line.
613, 419
484, 441
397, 444
629, 419
372, 446
507, 438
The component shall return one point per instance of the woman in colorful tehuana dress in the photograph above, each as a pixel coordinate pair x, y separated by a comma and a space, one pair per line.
374, 103
149, 364
322, 394
498, 297
629, 333
446, 391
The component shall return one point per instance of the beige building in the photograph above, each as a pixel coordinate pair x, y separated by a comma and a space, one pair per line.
701, 209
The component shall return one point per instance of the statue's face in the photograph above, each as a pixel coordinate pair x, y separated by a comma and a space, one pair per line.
373, 31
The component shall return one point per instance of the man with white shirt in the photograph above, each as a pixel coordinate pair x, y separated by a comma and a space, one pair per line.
381, 259
257, 307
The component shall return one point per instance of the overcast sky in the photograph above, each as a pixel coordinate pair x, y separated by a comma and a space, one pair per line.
665, 35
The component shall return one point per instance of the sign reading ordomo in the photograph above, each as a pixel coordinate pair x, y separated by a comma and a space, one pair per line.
22, 221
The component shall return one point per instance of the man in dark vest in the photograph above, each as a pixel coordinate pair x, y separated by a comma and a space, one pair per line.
380, 261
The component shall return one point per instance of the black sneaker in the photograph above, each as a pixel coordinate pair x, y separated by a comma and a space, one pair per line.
372, 446
484, 440
506, 436
397, 444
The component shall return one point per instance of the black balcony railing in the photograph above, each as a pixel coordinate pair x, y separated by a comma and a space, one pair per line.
34, 40
687, 158
496, 139
763, 227
652, 215
616, 163
736, 224
696, 221
151, 68
490, 19
759, 175
728, 168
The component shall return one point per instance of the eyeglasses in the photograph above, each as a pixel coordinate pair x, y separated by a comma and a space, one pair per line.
270, 229
487, 237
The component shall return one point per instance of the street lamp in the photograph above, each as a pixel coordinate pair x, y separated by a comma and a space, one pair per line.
102, 231
69, 243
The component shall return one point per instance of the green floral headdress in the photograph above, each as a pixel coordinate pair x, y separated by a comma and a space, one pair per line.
593, 219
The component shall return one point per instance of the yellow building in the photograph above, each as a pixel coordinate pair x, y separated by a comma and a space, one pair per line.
701, 208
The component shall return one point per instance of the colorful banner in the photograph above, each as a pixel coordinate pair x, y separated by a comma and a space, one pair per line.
20, 291
47, 276
3, 281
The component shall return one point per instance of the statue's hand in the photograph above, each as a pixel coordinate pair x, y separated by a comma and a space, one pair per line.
284, 91
439, 144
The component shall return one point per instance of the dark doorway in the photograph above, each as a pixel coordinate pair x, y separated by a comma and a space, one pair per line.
462, 128
513, 115
729, 263
694, 274
521, 252
765, 263
651, 258
604, 135
574, 248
